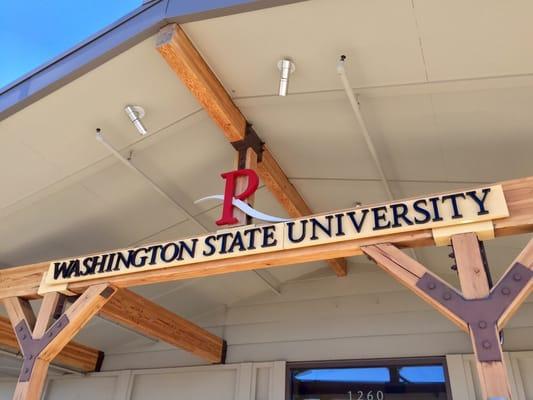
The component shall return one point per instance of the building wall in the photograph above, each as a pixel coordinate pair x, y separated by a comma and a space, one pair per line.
365, 315
245, 381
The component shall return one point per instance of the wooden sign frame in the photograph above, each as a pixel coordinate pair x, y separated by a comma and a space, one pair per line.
19, 284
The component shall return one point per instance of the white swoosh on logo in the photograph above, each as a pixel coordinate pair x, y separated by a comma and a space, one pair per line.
245, 208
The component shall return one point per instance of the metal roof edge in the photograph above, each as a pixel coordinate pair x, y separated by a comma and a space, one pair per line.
115, 39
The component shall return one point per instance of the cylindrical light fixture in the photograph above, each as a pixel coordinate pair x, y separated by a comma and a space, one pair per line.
286, 68
135, 114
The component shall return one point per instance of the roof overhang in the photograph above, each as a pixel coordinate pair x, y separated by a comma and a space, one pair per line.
113, 40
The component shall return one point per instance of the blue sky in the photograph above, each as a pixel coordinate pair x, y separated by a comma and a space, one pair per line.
415, 374
33, 32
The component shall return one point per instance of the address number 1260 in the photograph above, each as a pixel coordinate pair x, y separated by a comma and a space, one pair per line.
370, 395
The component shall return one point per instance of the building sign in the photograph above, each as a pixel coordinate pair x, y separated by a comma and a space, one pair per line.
232, 200
436, 211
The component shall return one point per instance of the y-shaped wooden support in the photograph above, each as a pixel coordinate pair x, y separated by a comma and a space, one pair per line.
41, 339
479, 311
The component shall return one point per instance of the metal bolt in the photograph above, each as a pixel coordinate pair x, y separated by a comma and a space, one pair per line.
50, 334
486, 344
30, 357
517, 277
506, 291
26, 370
21, 328
447, 296
431, 285
482, 324
24, 337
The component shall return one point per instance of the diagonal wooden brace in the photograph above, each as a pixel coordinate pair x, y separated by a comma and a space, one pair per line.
41, 342
481, 315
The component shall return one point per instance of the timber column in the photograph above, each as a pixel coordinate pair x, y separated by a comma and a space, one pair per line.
41, 339
484, 332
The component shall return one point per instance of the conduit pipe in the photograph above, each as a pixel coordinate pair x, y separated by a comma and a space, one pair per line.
361, 122
359, 117
146, 178
179, 207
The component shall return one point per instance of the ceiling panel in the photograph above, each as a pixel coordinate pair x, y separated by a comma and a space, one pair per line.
312, 135
58, 131
486, 134
403, 130
23, 170
465, 39
109, 209
379, 37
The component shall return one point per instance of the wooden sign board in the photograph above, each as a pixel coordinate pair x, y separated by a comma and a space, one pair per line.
436, 211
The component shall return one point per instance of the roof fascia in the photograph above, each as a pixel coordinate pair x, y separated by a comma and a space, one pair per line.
108, 43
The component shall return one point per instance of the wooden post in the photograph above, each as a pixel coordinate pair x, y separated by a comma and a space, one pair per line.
479, 311
493, 377
40, 340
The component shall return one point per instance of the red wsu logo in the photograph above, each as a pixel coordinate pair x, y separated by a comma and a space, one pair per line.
231, 199
229, 193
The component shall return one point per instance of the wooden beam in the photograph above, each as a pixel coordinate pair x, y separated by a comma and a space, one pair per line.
185, 60
14, 282
136, 312
525, 258
74, 356
408, 272
493, 377
79, 313
46, 314
39, 350
20, 310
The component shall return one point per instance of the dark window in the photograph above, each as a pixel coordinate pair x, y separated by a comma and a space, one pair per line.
399, 379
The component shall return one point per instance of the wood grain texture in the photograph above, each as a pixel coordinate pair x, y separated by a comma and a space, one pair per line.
46, 313
83, 309
32, 390
19, 310
74, 356
493, 377
79, 313
525, 258
183, 58
136, 312
188, 64
408, 271
474, 282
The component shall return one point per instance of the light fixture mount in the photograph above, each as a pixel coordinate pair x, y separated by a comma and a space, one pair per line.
135, 114
286, 67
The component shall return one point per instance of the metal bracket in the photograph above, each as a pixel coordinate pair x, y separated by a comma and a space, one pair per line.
31, 348
481, 315
251, 140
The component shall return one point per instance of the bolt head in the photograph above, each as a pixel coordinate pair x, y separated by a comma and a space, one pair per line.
506, 291
486, 344
447, 296
517, 277
482, 324
432, 285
